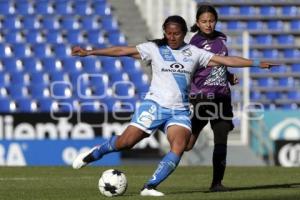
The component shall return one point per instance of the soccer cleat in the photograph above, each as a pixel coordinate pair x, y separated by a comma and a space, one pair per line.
83, 159
151, 192
218, 188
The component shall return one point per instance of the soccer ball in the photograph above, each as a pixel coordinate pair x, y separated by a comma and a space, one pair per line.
112, 183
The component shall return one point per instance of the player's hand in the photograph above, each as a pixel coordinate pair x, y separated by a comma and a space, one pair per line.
268, 65
232, 78
78, 51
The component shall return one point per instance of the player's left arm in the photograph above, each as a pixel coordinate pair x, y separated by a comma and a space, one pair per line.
235, 61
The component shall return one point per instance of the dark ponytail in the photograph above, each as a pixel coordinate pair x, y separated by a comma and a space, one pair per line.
203, 9
171, 19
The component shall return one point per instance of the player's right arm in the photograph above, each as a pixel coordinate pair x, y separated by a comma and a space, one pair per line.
110, 51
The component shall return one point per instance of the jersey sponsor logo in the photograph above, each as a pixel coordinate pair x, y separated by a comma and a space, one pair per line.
146, 119
176, 66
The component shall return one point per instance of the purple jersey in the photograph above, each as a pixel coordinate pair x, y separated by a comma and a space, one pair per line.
211, 80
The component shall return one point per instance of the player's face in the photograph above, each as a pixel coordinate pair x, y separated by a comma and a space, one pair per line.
174, 35
206, 23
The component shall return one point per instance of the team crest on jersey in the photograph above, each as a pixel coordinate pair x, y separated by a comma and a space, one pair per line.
187, 52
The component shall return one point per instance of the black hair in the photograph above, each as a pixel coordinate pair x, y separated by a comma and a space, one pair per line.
171, 19
203, 9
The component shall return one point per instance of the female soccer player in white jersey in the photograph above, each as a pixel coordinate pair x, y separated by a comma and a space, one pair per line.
166, 104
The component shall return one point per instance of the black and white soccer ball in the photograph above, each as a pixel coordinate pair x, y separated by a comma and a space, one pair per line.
112, 183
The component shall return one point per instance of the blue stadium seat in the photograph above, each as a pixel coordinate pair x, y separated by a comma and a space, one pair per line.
5, 7
21, 50
58, 76
4, 79
272, 95
116, 38
54, 36
109, 65
254, 53
227, 10
138, 78
30, 22
264, 39
295, 68
235, 25
130, 64
13, 36
295, 24
96, 37
247, 10
31, 64
116, 77
12, 64
101, 8
71, 64
34, 36
266, 82
45, 104
39, 91
91, 106
124, 90
17, 91
41, 50
291, 53
43, 8
26, 105
12, 22
39, 78
69, 22
279, 69
75, 37
5, 105
90, 23
275, 25
63, 7
255, 95
24, 8
82, 8
289, 10
50, 22
110, 102
285, 39
254, 25
61, 50
51, 64
294, 94
128, 104
286, 82
61, 90
271, 53
267, 10
19, 78
109, 23
91, 65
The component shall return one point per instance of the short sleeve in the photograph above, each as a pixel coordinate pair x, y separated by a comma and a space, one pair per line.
146, 50
204, 56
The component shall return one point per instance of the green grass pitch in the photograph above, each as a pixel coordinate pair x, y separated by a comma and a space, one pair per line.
247, 183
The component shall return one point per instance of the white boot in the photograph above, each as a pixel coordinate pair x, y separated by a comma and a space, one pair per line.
151, 192
83, 159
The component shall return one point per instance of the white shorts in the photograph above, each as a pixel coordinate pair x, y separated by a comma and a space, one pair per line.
150, 116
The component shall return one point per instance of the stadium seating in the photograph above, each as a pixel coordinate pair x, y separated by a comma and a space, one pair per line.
274, 34
37, 72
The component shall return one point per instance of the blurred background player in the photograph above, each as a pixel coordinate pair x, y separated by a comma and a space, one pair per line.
211, 86
166, 105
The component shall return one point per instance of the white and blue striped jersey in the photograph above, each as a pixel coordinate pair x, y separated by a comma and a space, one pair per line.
172, 71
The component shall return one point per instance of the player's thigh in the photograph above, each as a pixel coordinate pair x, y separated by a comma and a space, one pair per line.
130, 137
178, 137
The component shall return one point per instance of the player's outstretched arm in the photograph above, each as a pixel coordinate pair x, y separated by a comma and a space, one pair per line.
235, 61
110, 51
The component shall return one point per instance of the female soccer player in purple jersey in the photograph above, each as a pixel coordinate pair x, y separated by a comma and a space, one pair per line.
210, 88
166, 104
